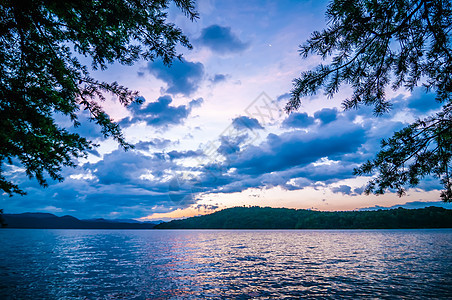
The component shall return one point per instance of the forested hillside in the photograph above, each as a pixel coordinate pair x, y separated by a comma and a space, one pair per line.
284, 218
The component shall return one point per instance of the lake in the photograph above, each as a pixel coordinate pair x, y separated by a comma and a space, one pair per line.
222, 264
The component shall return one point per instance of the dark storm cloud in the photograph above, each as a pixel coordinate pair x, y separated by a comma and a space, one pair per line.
221, 40
182, 77
298, 120
160, 113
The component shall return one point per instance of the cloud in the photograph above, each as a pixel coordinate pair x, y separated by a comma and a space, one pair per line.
182, 77
217, 78
221, 40
280, 158
342, 189
247, 123
137, 183
284, 97
196, 102
184, 154
328, 152
87, 128
298, 120
420, 102
231, 144
326, 115
130, 182
160, 113
299, 148
156, 143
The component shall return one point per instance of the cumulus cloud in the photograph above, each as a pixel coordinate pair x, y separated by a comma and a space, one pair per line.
326, 115
342, 189
244, 122
160, 113
157, 143
280, 158
299, 148
298, 120
130, 182
221, 40
328, 152
134, 182
182, 77
196, 102
184, 154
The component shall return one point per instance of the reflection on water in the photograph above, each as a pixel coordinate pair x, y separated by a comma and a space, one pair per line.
125, 264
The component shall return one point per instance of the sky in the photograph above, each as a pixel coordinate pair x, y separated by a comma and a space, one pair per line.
212, 133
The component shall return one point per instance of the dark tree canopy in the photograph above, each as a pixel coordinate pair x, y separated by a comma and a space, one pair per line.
286, 218
2, 219
371, 45
41, 76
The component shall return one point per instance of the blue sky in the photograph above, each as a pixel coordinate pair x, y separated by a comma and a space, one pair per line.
211, 132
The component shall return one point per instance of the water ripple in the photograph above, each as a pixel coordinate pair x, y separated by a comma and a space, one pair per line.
127, 264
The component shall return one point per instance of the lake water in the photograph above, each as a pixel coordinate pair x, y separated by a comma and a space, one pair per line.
222, 264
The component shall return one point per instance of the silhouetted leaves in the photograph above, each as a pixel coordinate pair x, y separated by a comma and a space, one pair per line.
2, 219
372, 45
40, 42
285, 218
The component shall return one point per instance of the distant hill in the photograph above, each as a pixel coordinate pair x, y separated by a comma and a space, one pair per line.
284, 218
50, 221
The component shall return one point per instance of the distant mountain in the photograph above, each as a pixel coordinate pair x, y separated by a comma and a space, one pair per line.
412, 205
284, 218
122, 221
50, 221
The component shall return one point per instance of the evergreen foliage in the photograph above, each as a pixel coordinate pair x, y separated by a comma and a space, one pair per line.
371, 45
2, 219
285, 218
41, 75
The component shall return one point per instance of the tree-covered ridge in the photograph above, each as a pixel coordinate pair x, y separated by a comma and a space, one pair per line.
285, 218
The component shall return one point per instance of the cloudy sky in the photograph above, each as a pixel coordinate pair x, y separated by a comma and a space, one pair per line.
211, 132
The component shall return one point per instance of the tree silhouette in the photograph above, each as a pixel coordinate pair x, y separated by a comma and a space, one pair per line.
2, 219
41, 75
376, 44
285, 218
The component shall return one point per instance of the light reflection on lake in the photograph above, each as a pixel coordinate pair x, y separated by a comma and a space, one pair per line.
212, 264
